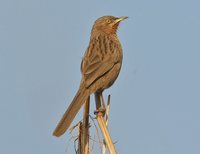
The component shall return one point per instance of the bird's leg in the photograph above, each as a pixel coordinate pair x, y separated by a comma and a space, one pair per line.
99, 107
102, 101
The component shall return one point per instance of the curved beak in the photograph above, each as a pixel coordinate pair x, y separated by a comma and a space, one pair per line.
120, 19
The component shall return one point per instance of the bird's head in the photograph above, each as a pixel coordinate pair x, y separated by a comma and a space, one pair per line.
107, 24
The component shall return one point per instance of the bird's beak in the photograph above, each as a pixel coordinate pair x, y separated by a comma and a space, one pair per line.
120, 19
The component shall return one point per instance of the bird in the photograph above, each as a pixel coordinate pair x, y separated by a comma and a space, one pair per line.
100, 67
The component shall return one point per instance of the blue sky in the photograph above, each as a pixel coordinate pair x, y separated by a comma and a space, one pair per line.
156, 100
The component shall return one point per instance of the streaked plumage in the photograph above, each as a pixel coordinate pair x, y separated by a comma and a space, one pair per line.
100, 66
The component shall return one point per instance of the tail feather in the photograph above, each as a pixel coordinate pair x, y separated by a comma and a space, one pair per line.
71, 112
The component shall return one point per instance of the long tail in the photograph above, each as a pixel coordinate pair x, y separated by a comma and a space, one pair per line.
71, 112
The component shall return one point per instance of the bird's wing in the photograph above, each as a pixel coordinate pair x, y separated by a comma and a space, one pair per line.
96, 62
98, 72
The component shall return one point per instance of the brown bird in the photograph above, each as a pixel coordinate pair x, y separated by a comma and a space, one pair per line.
100, 66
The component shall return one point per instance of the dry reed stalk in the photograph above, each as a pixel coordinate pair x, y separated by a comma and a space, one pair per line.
79, 151
85, 128
102, 125
107, 116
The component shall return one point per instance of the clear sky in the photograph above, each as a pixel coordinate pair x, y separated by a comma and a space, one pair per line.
155, 103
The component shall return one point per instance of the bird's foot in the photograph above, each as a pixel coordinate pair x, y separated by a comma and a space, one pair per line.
101, 111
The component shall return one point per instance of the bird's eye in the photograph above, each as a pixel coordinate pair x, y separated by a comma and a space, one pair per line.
108, 21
